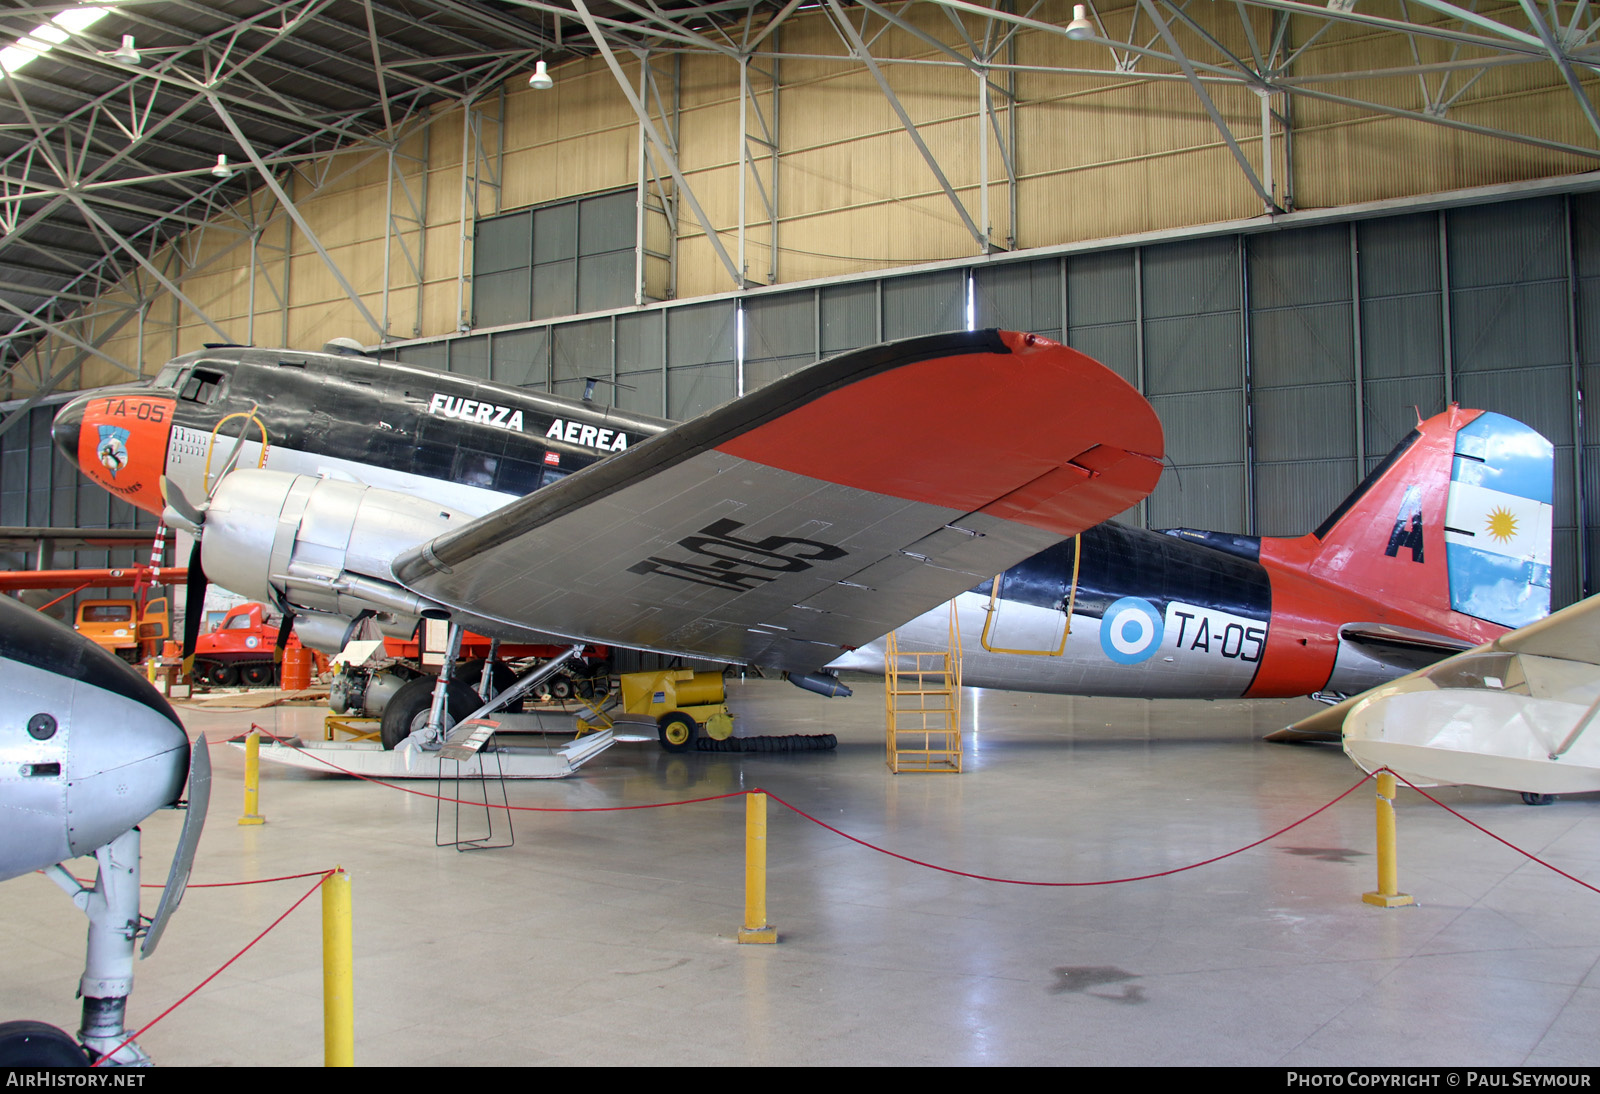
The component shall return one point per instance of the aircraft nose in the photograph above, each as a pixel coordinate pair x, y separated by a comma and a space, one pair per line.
127, 760
118, 437
67, 427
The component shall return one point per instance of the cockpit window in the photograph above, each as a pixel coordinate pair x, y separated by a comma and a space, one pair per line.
168, 376
202, 386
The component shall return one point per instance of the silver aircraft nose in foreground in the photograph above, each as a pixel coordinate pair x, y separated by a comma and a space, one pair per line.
88, 749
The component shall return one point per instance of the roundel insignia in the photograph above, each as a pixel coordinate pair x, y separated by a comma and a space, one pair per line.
1130, 630
252, 642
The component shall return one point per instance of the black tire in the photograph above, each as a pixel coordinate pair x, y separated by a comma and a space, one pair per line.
414, 698
677, 731
562, 688
502, 676
36, 1044
258, 674
1537, 799
219, 675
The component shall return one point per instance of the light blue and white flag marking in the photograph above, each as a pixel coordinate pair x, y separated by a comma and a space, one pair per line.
1498, 522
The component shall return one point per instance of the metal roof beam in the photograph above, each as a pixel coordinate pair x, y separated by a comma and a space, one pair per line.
289, 207
860, 48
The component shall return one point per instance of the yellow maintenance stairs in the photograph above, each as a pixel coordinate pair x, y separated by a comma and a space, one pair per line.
922, 692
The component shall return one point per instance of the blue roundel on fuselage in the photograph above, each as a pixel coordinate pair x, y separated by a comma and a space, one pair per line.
1131, 630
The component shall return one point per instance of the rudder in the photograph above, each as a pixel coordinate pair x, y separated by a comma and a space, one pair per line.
1458, 517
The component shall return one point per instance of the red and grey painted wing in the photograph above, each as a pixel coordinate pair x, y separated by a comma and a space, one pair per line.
817, 513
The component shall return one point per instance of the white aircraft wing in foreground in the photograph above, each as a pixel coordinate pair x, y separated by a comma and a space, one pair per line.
1518, 713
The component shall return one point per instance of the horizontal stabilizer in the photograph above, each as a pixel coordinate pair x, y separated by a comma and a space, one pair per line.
1400, 648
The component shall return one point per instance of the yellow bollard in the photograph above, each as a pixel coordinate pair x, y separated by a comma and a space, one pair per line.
1388, 894
252, 779
338, 975
756, 928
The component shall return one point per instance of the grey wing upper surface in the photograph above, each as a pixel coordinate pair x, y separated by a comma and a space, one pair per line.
814, 515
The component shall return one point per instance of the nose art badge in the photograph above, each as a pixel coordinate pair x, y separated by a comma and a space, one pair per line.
113, 448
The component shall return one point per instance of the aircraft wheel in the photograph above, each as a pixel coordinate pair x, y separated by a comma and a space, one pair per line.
36, 1044
409, 707
502, 675
561, 688
257, 675
677, 731
219, 675
1537, 799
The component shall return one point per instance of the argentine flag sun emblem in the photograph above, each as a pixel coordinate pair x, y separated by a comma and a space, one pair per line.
1497, 522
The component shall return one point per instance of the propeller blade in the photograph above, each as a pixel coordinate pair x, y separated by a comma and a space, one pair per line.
284, 630
194, 515
194, 609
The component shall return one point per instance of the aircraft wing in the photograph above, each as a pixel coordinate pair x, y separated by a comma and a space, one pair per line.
815, 514
1515, 713
1572, 634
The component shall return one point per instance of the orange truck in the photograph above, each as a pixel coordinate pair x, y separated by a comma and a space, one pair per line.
116, 625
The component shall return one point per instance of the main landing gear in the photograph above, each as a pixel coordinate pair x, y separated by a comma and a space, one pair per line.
449, 701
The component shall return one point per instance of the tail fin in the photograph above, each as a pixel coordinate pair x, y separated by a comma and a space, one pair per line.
1457, 517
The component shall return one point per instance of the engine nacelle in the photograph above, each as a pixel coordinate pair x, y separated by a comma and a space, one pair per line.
322, 546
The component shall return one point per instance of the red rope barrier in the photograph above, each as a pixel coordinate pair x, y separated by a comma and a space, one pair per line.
256, 881
324, 876
906, 858
1498, 839
1066, 884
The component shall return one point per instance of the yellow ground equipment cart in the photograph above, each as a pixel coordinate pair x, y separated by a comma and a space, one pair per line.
684, 704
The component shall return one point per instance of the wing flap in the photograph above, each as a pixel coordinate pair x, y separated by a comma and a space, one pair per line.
817, 513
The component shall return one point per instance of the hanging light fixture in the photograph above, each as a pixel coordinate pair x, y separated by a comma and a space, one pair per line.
1080, 27
125, 53
222, 170
541, 78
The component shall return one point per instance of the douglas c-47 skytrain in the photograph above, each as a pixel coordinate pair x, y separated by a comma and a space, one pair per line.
794, 527
1444, 546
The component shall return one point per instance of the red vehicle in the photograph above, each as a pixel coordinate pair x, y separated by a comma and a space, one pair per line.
241, 649
398, 685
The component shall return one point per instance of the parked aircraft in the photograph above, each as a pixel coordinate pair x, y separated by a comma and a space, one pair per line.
779, 530
89, 750
1444, 546
774, 530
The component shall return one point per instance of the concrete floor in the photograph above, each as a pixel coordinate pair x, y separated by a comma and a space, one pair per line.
608, 938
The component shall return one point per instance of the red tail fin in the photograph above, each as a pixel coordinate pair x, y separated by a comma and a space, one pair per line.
1455, 522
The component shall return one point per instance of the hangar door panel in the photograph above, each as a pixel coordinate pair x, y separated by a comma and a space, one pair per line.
1302, 368
1402, 350
780, 336
1511, 338
1194, 376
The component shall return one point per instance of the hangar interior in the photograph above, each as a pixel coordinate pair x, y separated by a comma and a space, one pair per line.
1286, 224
